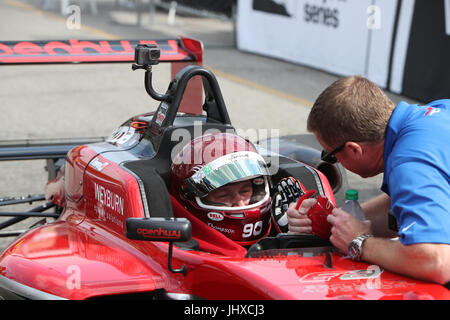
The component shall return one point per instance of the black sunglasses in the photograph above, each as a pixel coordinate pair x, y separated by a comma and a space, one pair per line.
330, 156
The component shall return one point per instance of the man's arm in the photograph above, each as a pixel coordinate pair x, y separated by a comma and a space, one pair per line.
376, 210
426, 261
379, 205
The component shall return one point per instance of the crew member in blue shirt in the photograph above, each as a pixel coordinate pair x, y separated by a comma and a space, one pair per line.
359, 126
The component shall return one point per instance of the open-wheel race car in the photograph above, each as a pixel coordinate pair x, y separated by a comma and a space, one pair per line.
118, 230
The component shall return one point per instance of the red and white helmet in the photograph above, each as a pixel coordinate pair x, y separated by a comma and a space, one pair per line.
215, 160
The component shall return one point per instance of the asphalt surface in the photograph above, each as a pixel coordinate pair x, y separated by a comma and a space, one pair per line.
68, 101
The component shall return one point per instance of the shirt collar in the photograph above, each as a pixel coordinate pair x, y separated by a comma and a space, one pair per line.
394, 126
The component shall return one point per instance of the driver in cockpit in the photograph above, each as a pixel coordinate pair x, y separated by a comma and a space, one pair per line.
222, 180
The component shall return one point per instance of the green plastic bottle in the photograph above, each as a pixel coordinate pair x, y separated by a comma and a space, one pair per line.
352, 205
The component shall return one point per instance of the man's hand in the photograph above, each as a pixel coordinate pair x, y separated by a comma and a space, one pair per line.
346, 228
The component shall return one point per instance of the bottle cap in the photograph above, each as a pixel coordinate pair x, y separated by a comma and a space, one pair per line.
351, 194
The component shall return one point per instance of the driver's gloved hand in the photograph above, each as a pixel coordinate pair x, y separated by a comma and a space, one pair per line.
287, 191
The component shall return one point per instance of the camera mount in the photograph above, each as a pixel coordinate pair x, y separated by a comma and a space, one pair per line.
146, 56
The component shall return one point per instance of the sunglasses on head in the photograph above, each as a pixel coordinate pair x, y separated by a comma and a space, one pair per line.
330, 156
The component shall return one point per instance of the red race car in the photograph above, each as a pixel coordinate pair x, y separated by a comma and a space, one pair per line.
120, 231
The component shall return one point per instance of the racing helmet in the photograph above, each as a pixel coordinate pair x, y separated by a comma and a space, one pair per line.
212, 161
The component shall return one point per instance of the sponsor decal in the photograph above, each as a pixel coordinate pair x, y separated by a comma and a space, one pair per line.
82, 51
321, 15
161, 115
159, 233
215, 216
221, 229
258, 181
370, 273
431, 111
98, 165
121, 135
108, 198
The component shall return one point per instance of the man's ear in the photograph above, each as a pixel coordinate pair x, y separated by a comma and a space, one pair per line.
355, 148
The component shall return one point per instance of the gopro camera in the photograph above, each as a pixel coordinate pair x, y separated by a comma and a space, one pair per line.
146, 54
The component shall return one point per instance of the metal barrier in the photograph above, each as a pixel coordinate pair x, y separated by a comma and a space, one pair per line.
172, 7
142, 7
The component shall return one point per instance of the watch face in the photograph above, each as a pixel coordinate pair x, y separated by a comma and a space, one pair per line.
355, 247
354, 250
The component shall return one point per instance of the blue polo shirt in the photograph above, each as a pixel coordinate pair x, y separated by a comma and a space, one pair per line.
416, 171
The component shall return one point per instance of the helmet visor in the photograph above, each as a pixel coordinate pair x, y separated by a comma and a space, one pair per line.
230, 168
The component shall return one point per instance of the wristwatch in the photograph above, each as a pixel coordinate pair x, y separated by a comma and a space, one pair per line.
355, 247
